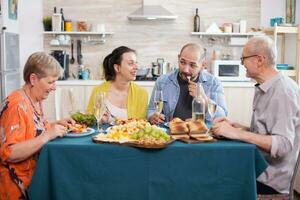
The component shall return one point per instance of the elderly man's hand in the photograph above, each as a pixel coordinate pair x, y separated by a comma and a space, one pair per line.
223, 127
157, 118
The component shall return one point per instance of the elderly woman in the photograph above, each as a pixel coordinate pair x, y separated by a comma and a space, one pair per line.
23, 127
124, 99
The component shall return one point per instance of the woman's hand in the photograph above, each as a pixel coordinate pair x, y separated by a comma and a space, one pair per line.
56, 130
66, 122
106, 116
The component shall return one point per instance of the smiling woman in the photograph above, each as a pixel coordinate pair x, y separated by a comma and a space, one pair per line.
23, 127
124, 99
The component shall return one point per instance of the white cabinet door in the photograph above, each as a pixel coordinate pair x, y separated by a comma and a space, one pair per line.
49, 107
69, 99
88, 92
239, 103
60, 103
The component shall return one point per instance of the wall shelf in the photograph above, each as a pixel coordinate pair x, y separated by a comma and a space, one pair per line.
87, 40
76, 33
281, 29
284, 30
249, 34
289, 72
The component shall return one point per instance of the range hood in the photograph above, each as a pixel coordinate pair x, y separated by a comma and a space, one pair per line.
151, 10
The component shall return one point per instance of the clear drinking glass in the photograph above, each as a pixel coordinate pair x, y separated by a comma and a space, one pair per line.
99, 108
158, 101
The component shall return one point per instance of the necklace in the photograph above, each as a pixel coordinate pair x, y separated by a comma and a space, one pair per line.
34, 108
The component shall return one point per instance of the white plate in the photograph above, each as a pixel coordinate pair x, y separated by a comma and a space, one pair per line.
88, 131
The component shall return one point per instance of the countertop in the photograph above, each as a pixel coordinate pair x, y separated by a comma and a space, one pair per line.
141, 83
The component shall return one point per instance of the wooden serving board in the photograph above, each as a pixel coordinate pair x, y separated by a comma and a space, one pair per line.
195, 140
136, 144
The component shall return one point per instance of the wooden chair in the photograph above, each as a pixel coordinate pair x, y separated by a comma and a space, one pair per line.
289, 196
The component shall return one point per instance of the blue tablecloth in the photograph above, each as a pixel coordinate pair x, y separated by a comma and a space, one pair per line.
77, 168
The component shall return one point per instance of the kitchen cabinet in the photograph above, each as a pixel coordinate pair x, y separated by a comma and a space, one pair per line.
239, 96
239, 103
281, 35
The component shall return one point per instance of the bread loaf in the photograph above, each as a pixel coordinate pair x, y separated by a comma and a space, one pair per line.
180, 136
190, 128
197, 127
179, 128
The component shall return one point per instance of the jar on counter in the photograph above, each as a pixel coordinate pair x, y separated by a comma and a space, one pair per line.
82, 26
227, 28
68, 25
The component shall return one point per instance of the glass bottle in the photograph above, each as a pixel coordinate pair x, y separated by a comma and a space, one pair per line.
290, 11
62, 20
198, 105
196, 22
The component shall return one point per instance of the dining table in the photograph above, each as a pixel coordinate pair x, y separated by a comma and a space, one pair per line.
77, 168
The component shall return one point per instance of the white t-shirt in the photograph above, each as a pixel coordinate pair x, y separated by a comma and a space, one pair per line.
116, 111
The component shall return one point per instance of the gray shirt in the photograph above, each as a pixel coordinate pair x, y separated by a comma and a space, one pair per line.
276, 112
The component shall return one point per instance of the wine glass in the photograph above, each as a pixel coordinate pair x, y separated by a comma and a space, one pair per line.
211, 105
99, 108
158, 101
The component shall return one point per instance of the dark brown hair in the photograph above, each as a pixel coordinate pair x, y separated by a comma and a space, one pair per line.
115, 57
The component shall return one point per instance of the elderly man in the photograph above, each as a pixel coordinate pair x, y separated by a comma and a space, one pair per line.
179, 87
275, 125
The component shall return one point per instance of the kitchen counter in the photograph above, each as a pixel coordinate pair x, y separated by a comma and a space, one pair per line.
142, 83
239, 97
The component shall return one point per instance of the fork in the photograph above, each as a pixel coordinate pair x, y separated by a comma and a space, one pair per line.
113, 122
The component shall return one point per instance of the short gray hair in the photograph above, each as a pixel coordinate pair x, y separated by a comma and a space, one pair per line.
42, 65
263, 45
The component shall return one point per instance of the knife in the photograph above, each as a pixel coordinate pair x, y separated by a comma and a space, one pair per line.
79, 55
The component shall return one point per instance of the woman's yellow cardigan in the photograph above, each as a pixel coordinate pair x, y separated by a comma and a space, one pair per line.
137, 101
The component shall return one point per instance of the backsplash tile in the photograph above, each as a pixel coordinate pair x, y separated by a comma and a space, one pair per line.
151, 39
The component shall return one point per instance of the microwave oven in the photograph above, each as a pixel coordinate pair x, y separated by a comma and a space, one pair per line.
229, 70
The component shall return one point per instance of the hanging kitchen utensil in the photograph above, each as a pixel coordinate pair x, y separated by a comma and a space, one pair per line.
79, 55
72, 60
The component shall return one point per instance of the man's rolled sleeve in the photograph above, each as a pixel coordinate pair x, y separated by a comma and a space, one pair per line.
281, 146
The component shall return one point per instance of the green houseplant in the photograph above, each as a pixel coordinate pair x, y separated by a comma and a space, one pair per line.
47, 22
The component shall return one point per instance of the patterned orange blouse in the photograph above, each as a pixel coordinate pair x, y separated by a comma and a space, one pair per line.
18, 122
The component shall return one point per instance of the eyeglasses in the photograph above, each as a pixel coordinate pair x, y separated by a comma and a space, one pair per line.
245, 57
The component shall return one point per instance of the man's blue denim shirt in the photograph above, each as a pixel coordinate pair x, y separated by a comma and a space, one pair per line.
168, 83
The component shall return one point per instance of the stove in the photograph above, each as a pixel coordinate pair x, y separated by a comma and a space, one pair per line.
141, 78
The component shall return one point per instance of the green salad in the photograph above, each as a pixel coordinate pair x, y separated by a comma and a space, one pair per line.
86, 119
151, 133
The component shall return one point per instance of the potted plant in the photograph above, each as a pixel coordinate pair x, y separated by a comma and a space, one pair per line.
47, 22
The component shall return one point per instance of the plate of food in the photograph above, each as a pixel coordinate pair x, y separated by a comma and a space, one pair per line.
147, 136
79, 130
